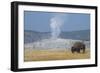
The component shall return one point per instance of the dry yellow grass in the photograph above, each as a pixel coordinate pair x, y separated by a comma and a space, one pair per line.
45, 55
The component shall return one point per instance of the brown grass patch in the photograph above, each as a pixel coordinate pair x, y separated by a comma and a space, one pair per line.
46, 55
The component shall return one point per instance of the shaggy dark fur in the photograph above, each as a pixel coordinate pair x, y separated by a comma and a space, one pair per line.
77, 47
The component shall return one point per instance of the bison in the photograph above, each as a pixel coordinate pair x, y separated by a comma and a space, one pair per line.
77, 47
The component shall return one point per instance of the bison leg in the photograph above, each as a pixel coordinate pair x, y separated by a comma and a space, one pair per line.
83, 50
78, 50
72, 50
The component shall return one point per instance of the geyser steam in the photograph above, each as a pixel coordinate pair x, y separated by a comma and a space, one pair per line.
56, 23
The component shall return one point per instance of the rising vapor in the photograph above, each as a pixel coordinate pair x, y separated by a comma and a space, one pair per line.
55, 24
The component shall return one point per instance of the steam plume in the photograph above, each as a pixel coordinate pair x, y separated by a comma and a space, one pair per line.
55, 25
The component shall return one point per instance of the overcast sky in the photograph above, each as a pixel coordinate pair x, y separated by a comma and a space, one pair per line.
40, 21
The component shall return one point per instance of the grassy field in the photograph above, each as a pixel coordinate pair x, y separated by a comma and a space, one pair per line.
45, 55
